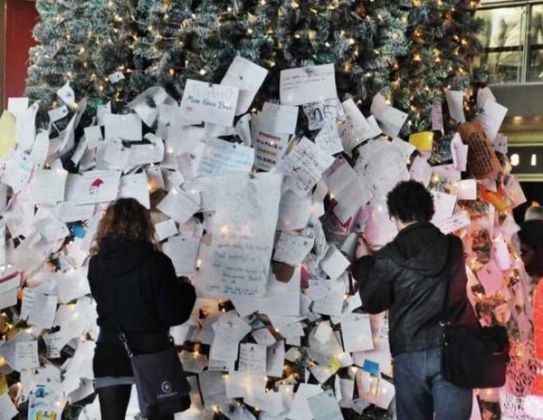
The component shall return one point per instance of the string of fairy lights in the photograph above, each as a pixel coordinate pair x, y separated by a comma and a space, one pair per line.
169, 27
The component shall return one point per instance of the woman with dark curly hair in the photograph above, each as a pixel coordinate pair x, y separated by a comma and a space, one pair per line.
134, 285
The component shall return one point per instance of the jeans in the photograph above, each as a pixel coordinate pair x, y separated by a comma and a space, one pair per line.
421, 391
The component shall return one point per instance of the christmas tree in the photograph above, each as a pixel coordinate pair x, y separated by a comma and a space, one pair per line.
170, 41
135, 45
68, 36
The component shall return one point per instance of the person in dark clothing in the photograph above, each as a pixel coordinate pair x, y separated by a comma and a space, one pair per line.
531, 246
134, 285
409, 277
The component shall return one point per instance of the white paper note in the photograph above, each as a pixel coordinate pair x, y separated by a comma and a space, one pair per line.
444, 205
26, 355
334, 262
242, 239
491, 118
355, 128
421, 171
278, 119
391, 119
165, 229
275, 360
221, 157
179, 205
7, 408
292, 249
209, 102
455, 100
92, 187
58, 113
135, 186
247, 77
304, 166
66, 94
356, 332
47, 186
307, 84
324, 406
252, 358
347, 188
182, 250
126, 127
18, 106
455, 222
147, 104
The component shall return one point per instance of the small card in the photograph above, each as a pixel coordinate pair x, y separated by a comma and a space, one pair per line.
209, 102
123, 127
66, 94
356, 332
391, 119
455, 101
58, 113
307, 84
252, 358
292, 249
247, 77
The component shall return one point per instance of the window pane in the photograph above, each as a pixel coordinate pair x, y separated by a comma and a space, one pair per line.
535, 50
503, 38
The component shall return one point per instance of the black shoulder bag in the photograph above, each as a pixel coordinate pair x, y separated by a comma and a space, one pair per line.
473, 358
161, 382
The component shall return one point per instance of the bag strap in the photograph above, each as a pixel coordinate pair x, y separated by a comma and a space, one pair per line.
444, 318
122, 335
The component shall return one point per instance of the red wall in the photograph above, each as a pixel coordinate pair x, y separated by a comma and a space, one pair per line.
21, 16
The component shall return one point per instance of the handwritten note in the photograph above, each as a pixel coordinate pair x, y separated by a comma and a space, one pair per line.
210, 102
242, 240
307, 84
252, 358
221, 157
269, 148
453, 223
329, 139
292, 249
437, 116
26, 354
355, 128
304, 166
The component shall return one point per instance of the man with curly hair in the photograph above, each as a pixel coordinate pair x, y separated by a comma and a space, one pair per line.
409, 277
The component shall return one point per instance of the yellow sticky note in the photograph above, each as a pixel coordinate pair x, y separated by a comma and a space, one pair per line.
8, 133
423, 141
333, 364
3, 385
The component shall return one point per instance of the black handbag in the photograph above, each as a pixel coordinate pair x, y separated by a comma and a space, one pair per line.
473, 357
161, 382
